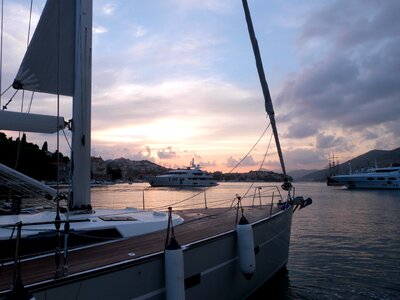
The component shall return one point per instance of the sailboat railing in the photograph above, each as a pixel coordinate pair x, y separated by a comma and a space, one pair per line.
44, 223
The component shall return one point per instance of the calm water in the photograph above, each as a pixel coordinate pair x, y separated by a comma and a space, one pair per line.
346, 245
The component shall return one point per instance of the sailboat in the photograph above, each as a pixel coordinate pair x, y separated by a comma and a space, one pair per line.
207, 253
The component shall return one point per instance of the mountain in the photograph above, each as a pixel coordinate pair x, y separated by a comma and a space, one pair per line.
296, 174
380, 158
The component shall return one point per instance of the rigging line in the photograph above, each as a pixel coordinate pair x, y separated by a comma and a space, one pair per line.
66, 139
9, 101
186, 199
69, 173
252, 148
23, 91
58, 101
261, 165
189, 205
27, 44
5, 90
30, 103
1, 47
264, 85
18, 151
29, 24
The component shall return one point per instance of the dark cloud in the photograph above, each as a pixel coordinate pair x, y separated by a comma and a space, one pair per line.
352, 23
166, 153
368, 135
303, 157
208, 163
353, 80
247, 162
146, 153
301, 130
112, 152
330, 141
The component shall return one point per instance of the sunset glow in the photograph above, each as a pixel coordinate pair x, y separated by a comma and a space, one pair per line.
176, 80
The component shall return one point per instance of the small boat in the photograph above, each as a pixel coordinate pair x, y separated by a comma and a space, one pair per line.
223, 252
375, 178
192, 176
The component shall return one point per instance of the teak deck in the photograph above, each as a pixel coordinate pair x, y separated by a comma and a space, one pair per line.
198, 224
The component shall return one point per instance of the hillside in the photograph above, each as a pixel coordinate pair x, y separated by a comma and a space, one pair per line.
31, 160
297, 174
382, 158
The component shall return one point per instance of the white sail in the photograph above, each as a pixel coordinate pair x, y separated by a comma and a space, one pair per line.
58, 61
17, 121
49, 63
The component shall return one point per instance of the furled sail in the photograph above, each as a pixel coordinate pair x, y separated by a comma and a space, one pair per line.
49, 62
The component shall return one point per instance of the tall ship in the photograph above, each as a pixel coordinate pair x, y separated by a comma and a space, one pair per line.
75, 251
375, 178
191, 176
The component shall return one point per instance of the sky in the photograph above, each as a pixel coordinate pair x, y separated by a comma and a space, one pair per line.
176, 79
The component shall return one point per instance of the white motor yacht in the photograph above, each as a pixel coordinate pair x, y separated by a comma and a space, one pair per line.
376, 178
190, 177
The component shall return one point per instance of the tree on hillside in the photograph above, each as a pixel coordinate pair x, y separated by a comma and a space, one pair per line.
32, 161
45, 146
115, 172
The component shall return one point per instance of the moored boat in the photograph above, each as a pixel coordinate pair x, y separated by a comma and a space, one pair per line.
191, 176
375, 178
225, 252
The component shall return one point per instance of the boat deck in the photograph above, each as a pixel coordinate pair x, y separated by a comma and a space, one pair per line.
198, 224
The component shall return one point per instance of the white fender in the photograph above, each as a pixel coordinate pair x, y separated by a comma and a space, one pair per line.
174, 272
245, 244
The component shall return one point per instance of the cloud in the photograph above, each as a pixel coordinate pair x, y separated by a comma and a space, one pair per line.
186, 79
128, 151
180, 109
300, 158
301, 130
330, 141
358, 23
247, 162
349, 81
220, 6
166, 153
108, 8
140, 31
99, 29
206, 164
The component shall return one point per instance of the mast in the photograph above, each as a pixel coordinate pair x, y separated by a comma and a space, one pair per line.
81, 113
267, 97
59, 61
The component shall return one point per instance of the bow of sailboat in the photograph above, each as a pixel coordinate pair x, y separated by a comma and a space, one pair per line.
236, 247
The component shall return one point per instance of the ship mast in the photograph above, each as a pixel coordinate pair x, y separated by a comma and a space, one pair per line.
267, 97
81, 113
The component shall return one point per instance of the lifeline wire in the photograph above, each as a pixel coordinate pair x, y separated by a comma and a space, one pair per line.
206, 189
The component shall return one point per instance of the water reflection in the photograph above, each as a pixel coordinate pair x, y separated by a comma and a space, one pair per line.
345, 245
278, 287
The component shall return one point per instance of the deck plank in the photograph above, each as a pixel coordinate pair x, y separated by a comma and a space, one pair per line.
198, 224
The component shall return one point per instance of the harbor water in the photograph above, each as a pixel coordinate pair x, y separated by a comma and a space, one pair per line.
346, 245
